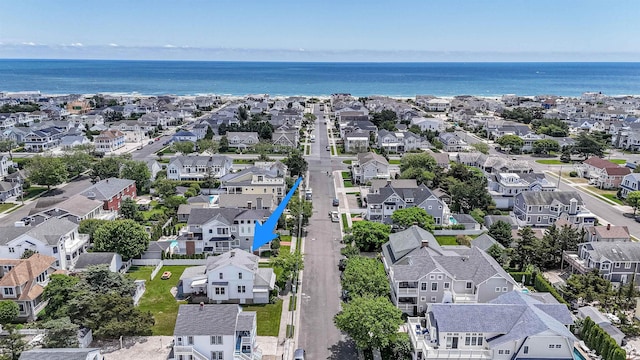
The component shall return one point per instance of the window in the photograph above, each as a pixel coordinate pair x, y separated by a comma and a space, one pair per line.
526, 350
504, 289
627, 265
500, 352
497, 289
616, 264
423, 298
216, 340
219, 291
433, 299
432, 277
220, 276
551, 346
440, 277
469, 284
189, 340
507, 352
558, 346
21, 307
240, 276
423, 286
242, 289
55, 249
12, 250
217, 355
447, 285
8, 291
434, 286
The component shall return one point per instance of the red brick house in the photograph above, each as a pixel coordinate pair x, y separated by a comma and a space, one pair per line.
603, 173
111, 192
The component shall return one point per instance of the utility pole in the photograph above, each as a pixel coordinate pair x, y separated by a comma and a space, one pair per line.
559, 177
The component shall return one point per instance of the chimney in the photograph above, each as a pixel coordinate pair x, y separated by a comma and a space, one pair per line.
201, 306
249, 205
424, 243
259, 203
608, 226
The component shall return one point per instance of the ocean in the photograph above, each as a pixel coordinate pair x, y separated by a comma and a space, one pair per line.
320, 79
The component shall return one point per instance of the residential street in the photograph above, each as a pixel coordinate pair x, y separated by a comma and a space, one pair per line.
321, 278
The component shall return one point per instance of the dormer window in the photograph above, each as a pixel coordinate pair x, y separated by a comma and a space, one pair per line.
8, 291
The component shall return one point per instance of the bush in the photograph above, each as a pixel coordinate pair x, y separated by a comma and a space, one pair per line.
573, 174
541, 284
517, 276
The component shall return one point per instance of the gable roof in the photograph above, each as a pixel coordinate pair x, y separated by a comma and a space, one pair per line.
221, 319
236, 257
613, 251
57, 354
107, 188
87, 259
547, 197
48, 232
403, 242
364, 158
485, 241
200, 216
600, 163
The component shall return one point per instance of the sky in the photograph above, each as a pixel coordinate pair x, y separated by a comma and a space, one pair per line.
326, 30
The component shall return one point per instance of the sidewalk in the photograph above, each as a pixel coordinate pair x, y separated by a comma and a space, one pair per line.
341, 194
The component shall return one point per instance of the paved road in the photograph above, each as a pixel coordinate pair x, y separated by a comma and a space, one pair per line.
320, 283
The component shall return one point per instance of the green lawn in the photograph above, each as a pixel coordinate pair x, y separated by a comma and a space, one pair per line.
285, 249
345, 224
446, 239
348, 183
394, 162
550, 162
618, 161
346, 175
348, 162
157, 298
285, 238
6, 206
268, 317
155, 210
292, 303
33, 191
613, 198
333, 151
243, 161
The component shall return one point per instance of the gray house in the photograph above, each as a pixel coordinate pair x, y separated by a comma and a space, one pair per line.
617, 262
381, 206
421, 272
198, 167
543, 208
242, 140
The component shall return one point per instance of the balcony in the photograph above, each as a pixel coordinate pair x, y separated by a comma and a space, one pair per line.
575, 262
465, 298
189, 350
407, 291
422, 341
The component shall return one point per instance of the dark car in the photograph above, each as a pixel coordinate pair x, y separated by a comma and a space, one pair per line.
345, 296
638, 218
342, 264
336, 202
26, 220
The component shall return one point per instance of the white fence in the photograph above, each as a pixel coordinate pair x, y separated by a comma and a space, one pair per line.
145, 262
156, 270
169, 262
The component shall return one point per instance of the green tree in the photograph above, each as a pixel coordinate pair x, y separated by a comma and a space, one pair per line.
6, 145
99, 279
588, 145
527, 248
207, 145
107, 167
300, 207
129, 210
28, 253
47, 170
184, 147
12, 345
296, 163
8, 311
589, 287
174, 201
126, 237
224, 143
413, 215
289, 262
633, 199
478, 215
165, 188
481, 147
420, 160
61, 333
77, 161
501, 232
370, 322
510, 143
401, 347
545, 146
369, 236
139, 172
349, 251
365, 277
470, 195
500, 254
89, 226
209, 134
58, 292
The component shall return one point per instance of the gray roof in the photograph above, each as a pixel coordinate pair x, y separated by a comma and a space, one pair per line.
547, 197
464, 219
193, 271
235, 257
159, 246
57, 354
200, 216
419, 194
200, 199
108, 188
492, 219
241, 200
477, 266
49, 232
377, 184
220, 320
613, 251
197, 160
484, 242
78, 205
245, 321
369, 156
403, 242
96, 258
264, 277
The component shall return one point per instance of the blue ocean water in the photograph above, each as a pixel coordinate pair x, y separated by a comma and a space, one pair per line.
281, 78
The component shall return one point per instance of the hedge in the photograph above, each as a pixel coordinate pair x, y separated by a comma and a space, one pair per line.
517, 276
597, 339
541, 284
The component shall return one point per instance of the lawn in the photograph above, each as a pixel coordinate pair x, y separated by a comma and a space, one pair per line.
348, 162
243, 161
618, 161
149, 213
613, 198
345, 224
285, 249
6, 206
348, 183
157, 298
346, 175
446, 239
394, 162
33, 191
285, 238
551, 162
333, 151
268, 317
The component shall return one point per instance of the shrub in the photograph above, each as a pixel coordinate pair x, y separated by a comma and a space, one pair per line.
573, 174
541, 284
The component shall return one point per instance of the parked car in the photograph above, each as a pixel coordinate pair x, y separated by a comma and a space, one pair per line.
336, 202
637, 218
166, 275
345, 296
26, 220
150, 142
334, 216
299, 354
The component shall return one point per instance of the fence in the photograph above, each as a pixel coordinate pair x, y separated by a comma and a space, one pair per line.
458, 232
168, 262
156, 270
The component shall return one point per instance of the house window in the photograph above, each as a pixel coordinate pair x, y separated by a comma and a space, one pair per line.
551, 346
241, 289
440, 277
240, 276
432, 277
55, 249
504, 289
434, 286
497, 289
627, 265
12, 250
21, 307
558, 346
447, 285
423, 298
216, 340
219, 291
433, 299
8, 291
189, 340
469, 284
220, 276
423, 286
217, 355
525, 350
616, 264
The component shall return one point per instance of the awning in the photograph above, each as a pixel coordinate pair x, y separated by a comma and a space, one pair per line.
199, 282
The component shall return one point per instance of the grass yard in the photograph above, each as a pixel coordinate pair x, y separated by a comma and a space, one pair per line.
618, 161
33, 191
348, 162
243, 161
157, 298
333, 151
345, 224
6, 206
446, 239
613, 198
346, 175
348, 183
285, 238
268, 317
149, 213
551, 162
394, 162
292, 303
608, 194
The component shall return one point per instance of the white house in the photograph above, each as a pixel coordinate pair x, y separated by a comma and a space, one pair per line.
198, 167
369, 166
215, 332
109, 141
233, 277
62, 353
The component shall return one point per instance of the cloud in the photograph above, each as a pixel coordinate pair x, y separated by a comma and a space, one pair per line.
77, 44
169, 46
113, 45
30, 43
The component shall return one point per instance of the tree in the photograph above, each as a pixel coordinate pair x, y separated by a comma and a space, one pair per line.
400, 347
209, 134
129, 210
77, 161
369, 236
370, 322
139, 172
510, 142
501, 232
6, 145
300, 207
125, 237
289, 262
89, 226
545, 146
224, 142
184, 147
478, 215
59, 292
174, 201
633, 199
481, 147
61, 333
49, 171
27, 253
499, 253
365, 277
413, 215
207, 145
527, 248
165, 188
296, 163
99, 278
12, 345
588, 145
9, 310
106, 167
469, 195
422, 160
588, 287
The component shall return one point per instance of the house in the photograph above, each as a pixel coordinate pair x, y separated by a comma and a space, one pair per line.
381, 205
24, 280
602, 321
200, 130
256, 180
111, 192
543, 208
74, 209
369, 166
428, 124
154, 168
466, 220
356, 141
618, 262
9, 190
109, 141
492, 219
232, 277
285, 136
248, 201
242, 140
399, 142
41, 140
513, 326
184, 135
607, 175
110, 259
156, 250
62, 354
608, 233
216, 230
484, 242
503, 187
438, 105
55, 237
421, 272
442, 159
5, 164
71, 141
196, 167
451, 142
630, 182
133, 130
228, 334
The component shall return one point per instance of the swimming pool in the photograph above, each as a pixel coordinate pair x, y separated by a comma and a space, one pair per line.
577, 355
453, 220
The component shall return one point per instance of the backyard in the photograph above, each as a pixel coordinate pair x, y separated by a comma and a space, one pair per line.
157, 298
268, 317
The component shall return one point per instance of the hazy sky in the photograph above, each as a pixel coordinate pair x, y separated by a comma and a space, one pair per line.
326, 30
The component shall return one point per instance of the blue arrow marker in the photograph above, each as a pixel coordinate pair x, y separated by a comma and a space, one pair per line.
263, 233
